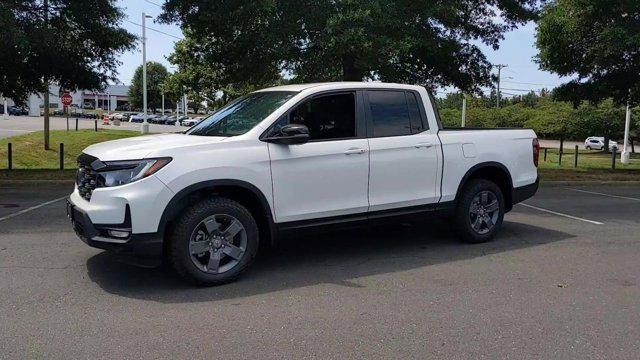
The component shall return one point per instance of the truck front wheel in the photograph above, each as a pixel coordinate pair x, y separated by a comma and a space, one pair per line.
480, 211
213, 241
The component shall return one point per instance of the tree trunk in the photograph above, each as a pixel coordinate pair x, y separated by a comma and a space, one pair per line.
633, 150
350, 71
606, 143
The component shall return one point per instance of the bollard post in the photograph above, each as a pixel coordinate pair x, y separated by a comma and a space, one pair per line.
545, 154
560, 157
575, 159
95, 125
613, 157
9, 157
76, 124
61, 156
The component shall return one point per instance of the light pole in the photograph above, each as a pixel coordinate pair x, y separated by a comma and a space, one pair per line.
624, 157
144, 128
162, 89
464, 109
6, 113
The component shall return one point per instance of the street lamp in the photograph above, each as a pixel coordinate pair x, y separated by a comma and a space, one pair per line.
144, 129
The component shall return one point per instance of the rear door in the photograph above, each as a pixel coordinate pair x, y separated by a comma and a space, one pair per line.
404, 152
328, 176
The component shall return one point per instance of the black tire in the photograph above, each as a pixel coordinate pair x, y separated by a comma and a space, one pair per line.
588, 147
179, 248
463, 218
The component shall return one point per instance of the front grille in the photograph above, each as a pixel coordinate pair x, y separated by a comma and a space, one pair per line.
87, 177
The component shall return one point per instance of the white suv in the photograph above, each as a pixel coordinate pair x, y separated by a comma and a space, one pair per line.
290, 157
597, 143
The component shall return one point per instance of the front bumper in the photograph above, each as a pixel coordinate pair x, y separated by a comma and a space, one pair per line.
146, 245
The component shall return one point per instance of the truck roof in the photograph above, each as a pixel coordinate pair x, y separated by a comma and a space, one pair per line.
340, 85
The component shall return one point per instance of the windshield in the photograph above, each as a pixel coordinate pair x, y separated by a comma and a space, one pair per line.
241, 115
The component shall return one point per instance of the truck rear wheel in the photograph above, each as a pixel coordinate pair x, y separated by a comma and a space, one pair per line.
213, 241
480, 211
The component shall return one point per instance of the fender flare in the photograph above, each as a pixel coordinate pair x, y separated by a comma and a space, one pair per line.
171, 210
483, 165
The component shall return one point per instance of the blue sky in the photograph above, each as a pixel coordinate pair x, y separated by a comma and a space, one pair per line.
516, 50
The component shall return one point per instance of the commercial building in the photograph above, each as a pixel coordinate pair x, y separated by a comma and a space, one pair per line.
111, 98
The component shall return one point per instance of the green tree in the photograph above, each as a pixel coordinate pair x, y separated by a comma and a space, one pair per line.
74, 44
419, 42
157, 74
596, 42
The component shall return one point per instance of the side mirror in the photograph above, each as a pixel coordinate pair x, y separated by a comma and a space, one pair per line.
291, 134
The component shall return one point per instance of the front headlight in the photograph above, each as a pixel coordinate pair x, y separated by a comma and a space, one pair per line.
116, 173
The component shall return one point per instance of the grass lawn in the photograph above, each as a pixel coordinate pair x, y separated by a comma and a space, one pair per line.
592, 166
29, 153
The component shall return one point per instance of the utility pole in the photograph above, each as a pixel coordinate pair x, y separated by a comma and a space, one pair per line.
464, 109
499, 66
144, 128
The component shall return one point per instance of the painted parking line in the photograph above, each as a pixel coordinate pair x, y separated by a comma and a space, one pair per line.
31, 208
603, 194
561, 214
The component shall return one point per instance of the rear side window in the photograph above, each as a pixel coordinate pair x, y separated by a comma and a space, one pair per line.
328, 117
394, 113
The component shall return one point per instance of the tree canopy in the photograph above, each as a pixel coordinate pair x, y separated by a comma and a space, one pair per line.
433, 43
75, 44
595, 41
157, 75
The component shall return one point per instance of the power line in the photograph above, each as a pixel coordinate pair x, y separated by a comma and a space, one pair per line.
153, 3
527, 83
534, 90
156, 30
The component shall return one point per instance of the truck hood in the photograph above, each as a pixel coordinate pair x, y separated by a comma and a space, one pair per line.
139, 147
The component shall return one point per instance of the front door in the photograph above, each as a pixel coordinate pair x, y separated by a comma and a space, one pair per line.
328, 176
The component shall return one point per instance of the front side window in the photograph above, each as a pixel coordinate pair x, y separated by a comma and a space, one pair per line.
241, 115
327, 117
389, 113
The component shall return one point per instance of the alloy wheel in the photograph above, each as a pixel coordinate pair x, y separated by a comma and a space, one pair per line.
218, 243
484, 211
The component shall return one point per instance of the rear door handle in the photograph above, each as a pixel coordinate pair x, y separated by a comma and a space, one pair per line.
423, 145
355, 151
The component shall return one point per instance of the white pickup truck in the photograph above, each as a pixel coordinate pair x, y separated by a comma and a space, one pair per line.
289, 157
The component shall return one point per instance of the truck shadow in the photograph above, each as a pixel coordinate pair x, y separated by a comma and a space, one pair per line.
307, 259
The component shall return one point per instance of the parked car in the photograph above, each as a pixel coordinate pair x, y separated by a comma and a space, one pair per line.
171, 120
181, 119
139, 117
192, 121
17, 111
294, 157
597, 143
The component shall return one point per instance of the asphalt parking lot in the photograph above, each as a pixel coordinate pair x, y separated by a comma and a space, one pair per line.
562, 280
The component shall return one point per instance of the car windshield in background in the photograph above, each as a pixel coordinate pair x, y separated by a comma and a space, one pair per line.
241, 115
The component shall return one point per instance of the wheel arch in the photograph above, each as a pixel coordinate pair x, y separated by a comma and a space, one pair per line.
241, 191
495, 172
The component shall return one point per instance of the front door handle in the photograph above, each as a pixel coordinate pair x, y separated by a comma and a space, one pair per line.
355, 151
423, 145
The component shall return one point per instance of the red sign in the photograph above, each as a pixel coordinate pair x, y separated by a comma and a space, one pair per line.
66, 99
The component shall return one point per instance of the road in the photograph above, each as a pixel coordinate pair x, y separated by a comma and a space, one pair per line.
17, 125
562, 280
